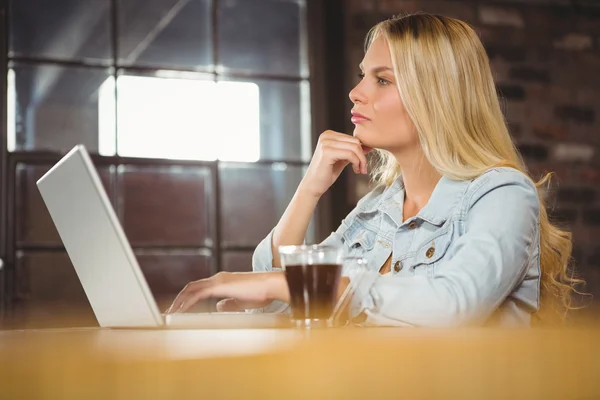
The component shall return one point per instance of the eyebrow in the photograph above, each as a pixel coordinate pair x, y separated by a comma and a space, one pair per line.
376, 70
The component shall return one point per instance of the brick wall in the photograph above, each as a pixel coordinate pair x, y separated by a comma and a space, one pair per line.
546, 59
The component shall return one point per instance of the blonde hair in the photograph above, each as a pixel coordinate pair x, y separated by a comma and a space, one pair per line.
446, 85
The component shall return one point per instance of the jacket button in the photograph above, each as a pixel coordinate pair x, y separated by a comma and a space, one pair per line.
412, 225
429, 252
397, 266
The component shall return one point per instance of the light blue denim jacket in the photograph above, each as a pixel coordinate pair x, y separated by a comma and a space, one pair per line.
470, 257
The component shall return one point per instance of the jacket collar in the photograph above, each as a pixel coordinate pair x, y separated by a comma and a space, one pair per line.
446, 195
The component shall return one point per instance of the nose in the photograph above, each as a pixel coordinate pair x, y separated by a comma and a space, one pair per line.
357, 96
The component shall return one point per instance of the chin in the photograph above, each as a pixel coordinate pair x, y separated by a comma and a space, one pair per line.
364, 136
360, 132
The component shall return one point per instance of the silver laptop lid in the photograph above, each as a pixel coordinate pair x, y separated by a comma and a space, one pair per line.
96, 244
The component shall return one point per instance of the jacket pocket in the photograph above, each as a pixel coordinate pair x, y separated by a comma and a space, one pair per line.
431, 251
358, 238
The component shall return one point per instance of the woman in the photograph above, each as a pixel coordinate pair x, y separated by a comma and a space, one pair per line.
456, 232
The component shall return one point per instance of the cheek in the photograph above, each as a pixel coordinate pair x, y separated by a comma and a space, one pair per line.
392, 116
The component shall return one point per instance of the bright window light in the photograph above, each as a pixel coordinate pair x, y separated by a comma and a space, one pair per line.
180, 119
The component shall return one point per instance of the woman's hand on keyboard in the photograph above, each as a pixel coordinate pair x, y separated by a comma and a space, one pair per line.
246, 289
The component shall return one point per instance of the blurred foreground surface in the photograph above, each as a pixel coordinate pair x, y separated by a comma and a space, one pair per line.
341, 363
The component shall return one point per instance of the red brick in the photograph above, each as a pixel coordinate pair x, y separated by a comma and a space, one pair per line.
553, 132
574, 113
528, 74
546, 20
511, 92
592, 216
574, 42
464, 11
360, 6
539, 114
500, 69
561, 174
573, 152
506, 53
588, 20
515, 129
582, 195
399, 6
533, 152
590, 175
504, 16
585, 95
546, 93
517, 111
501, 35
588, 237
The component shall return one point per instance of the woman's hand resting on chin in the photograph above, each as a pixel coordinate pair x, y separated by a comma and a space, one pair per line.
333, 153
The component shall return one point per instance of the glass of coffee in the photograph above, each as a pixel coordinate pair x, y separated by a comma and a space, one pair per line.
313, 274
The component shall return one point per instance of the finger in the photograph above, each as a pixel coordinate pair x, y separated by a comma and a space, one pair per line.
176, 305
356, 149
361, 150
344, 155
178, 300
353, 145
182, 298
200, 292
229, 305
340, 137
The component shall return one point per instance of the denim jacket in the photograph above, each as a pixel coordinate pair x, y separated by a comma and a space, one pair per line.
471, 256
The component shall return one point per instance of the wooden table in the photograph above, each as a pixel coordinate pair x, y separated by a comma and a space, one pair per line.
356, 363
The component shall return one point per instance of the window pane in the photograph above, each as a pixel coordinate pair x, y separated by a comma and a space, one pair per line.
54, 108
253, 198
48, 293
40, 274
236, 261
262, 36
185, 119
165, 33
65, 29
34, 226
285, 123
166, 206
168, 271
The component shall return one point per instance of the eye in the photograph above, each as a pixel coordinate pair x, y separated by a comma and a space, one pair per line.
382, 81
361, 75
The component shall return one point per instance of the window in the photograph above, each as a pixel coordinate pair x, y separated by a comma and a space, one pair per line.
180, 119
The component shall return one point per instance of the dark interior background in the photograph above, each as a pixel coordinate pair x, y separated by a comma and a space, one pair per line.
189, 219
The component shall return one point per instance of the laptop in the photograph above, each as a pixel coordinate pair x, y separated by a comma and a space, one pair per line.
104, 261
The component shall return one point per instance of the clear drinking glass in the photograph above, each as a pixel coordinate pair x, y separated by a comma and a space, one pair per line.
313, 275
355, 267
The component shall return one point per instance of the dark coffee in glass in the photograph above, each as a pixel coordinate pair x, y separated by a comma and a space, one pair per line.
313, 289
313, 275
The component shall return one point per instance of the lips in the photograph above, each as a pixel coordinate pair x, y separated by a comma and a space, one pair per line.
358, 118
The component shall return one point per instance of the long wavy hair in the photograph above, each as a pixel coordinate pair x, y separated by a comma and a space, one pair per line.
446, 85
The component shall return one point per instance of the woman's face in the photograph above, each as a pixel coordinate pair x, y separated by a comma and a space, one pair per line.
379, 116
